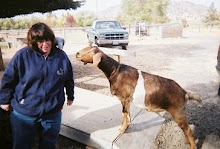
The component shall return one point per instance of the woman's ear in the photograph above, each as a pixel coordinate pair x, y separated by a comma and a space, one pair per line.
97, 59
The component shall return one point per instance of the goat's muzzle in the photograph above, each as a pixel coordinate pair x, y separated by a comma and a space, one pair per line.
79, 57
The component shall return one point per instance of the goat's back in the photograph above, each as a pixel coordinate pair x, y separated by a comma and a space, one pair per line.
162, 93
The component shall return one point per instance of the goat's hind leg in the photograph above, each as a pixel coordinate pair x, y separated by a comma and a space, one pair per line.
180, 118
126, 120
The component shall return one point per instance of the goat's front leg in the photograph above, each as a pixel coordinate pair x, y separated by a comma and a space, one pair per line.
125, 115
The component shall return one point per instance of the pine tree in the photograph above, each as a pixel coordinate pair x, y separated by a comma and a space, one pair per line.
213, 15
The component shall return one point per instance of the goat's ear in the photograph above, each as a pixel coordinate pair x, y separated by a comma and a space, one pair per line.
97, 58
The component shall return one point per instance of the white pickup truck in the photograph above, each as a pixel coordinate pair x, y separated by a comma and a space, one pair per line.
108, 33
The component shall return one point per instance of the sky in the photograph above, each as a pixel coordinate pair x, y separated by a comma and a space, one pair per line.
99, 5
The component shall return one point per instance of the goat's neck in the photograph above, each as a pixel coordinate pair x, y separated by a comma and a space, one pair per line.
109, 66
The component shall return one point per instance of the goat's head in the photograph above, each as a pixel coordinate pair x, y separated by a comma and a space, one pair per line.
90, 54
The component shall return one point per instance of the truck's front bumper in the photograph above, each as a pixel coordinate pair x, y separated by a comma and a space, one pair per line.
113, 42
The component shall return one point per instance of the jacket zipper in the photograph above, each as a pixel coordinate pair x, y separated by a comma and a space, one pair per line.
44, 84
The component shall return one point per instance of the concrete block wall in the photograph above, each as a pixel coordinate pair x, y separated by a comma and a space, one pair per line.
171, 31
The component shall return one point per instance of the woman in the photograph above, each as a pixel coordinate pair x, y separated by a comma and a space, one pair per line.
33, 86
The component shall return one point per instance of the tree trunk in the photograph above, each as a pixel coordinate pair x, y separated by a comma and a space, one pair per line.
2, 68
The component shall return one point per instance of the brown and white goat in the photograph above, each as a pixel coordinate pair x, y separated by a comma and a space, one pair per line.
147, 91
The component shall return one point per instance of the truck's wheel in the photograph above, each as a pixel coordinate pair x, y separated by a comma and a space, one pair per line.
96, 42
124, 47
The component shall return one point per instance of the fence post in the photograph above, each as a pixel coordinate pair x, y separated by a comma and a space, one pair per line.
129, 28
139, 30
148, 30
64, 33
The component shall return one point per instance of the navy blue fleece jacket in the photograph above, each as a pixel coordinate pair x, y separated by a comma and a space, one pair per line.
34, 85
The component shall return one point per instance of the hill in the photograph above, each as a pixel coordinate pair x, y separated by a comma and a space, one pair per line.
176, 11
109, 13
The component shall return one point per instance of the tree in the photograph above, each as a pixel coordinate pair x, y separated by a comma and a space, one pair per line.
212, 15
84, 18
152, 11
184, 23
70, 21
6, 24
10, 8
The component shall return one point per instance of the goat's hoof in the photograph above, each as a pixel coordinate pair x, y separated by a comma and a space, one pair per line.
192, 147
186, 140
122, 129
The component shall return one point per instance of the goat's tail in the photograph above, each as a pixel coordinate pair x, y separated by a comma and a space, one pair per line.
191, 96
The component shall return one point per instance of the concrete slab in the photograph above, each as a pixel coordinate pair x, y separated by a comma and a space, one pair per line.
141, 133
94, 120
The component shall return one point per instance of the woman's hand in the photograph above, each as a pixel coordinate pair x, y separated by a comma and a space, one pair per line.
6, 107
69, 102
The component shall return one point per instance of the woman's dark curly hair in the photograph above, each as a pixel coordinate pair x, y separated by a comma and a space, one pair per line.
40, 31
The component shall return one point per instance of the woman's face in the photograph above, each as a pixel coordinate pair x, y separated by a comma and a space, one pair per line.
44, 46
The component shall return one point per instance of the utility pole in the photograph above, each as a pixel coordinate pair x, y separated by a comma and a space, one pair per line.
96, 7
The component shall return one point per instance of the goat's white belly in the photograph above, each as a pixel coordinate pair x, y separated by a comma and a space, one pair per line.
139, 92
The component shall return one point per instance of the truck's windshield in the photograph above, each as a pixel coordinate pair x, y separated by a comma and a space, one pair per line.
107, 25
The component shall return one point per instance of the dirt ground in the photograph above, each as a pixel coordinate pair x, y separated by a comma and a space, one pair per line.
190, 61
